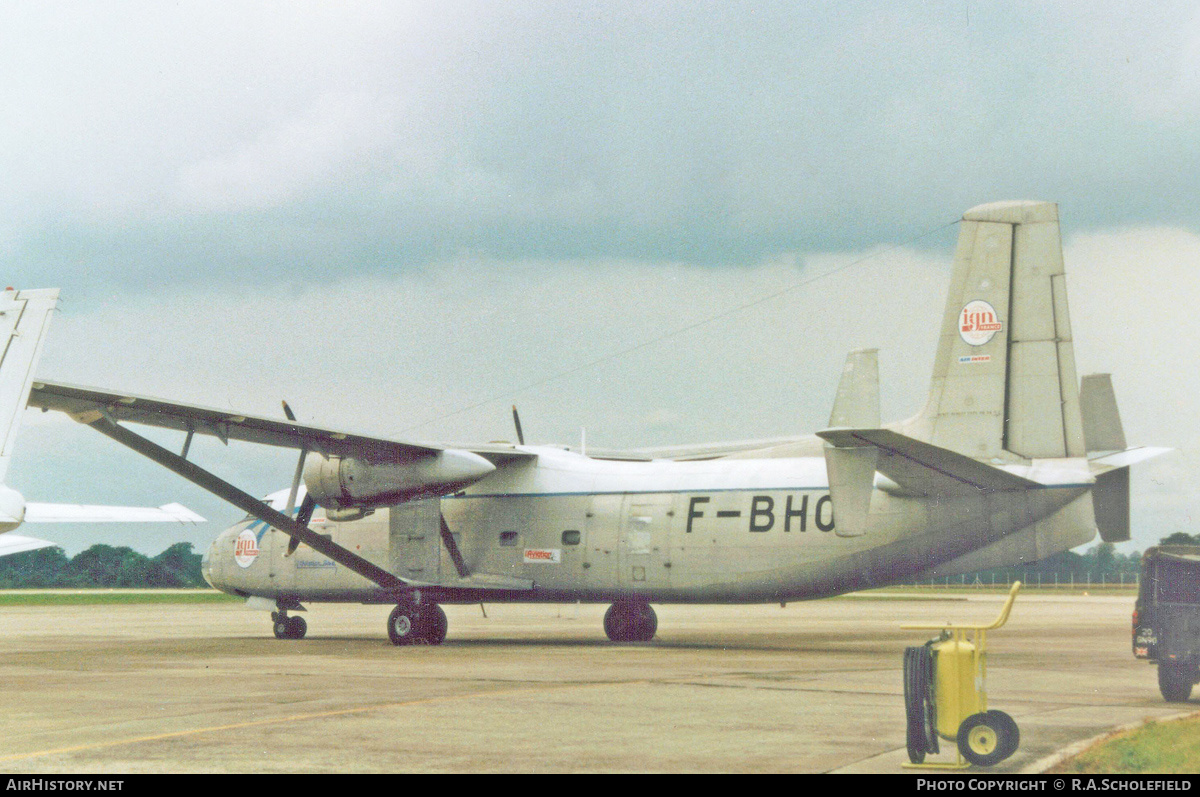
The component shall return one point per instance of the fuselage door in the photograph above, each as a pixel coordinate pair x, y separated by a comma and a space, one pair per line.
645, 543
416, 542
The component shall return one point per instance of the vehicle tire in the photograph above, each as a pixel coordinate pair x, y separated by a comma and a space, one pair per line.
921, 733
1175, 682
435, 625
1008, 730
296, 628
404, 624
983, 741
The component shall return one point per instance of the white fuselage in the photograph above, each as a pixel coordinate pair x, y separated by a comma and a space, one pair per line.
578, 528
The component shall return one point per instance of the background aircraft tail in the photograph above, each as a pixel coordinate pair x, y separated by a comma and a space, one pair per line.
24, 318
1004, 384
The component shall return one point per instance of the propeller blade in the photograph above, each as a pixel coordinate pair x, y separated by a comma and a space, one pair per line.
517, 421
302, 517
287, 411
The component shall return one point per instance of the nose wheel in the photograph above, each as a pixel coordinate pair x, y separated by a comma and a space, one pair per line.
286, 627
630, 621
411, 623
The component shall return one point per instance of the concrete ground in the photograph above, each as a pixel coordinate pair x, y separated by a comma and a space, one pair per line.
814, 687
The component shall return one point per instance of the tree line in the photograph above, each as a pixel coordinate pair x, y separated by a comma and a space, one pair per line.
102, 566
1101, 564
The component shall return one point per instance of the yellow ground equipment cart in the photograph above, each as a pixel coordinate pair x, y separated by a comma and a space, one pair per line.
945, 696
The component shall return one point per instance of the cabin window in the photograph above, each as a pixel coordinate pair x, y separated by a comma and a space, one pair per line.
570, 538
508, 538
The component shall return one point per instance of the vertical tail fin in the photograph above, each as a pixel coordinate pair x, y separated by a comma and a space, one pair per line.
24, 318
1004, 384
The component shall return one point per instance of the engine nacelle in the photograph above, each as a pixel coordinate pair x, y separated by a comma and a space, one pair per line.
348, 482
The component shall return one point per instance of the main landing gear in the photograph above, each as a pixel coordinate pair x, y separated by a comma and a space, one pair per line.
415, 623
630, 621
288, 627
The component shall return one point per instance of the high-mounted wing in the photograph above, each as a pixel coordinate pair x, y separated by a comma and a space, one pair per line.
354, 471
86, 404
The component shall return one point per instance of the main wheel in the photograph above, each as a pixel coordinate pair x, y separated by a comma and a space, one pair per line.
984, 740
404, 624
1175, 682
630, 622
645, 624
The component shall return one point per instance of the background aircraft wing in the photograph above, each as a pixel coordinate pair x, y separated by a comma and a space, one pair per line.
24, 317
87, 404
16, 543
36, 512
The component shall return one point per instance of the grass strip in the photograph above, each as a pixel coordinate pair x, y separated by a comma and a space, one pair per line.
1158, 747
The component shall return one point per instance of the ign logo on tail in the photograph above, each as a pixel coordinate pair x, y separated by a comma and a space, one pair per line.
978, 323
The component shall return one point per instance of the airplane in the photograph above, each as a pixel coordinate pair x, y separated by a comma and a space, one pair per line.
1010, 460
24, 319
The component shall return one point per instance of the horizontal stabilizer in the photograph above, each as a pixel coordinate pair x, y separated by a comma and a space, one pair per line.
923, 469
1123, 459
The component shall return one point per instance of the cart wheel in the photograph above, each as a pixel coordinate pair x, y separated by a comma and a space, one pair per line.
985, 741
921, 730
1010, 731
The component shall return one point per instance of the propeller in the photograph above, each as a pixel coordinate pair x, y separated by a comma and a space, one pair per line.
517, 422
308, 504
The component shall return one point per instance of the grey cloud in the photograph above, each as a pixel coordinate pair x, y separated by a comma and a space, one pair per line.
320, 141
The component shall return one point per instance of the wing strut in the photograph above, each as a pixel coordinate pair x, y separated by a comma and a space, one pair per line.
452, 549
250, 504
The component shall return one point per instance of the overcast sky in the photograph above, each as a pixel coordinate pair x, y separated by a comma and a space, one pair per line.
390, 212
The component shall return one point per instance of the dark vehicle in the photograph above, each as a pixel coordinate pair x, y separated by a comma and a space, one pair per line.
1166, 617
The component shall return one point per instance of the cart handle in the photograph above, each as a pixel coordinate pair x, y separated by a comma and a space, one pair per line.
999, 621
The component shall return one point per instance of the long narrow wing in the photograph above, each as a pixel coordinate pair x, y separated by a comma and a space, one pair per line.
87, 404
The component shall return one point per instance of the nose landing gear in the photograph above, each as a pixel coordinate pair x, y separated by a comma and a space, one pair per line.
288, 627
